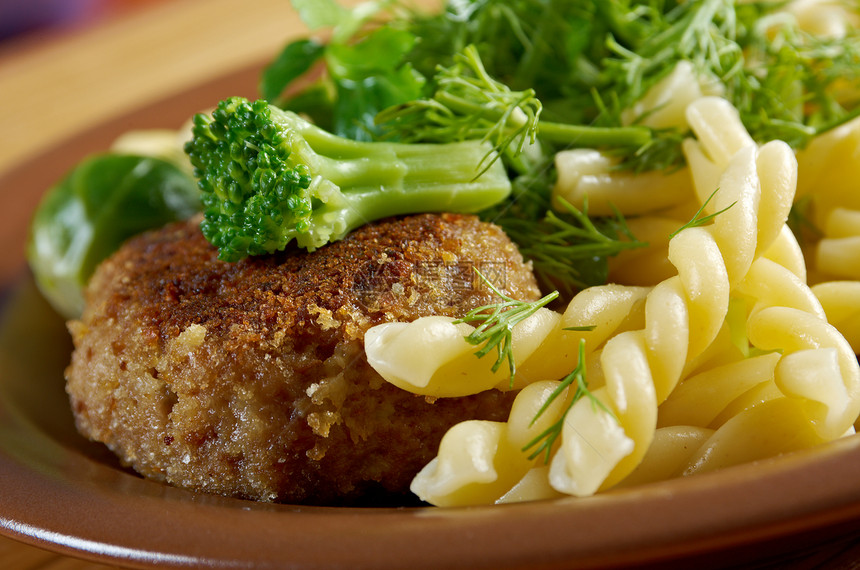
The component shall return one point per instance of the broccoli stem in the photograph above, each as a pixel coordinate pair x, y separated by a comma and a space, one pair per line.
435, 170
393, 179
269, 177
588, 136
559, 133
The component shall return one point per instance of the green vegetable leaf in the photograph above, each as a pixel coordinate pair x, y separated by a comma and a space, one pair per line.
368, 76
293, 62
102, 202
319, 14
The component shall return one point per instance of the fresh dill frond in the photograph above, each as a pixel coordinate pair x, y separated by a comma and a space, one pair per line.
497, 322
469, 103
543, 443
787, 84
698, 219
796, 84
569, 250
702, 33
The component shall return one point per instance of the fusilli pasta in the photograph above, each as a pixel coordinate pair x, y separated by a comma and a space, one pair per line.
744, 271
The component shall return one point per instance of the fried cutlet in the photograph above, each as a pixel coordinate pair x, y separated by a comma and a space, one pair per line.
249, 379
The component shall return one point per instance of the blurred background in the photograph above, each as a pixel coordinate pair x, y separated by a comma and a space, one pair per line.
27, 18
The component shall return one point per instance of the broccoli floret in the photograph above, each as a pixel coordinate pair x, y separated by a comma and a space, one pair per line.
269, 177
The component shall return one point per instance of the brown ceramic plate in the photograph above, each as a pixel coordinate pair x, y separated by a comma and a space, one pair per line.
61, 492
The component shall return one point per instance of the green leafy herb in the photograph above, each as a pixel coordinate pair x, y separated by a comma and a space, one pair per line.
469, 103
294, 61
369, 76
698, 219
364, 68
544, 442
569, 250
497, 322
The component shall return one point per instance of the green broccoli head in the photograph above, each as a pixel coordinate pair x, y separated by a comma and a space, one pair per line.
252, 188
269, 177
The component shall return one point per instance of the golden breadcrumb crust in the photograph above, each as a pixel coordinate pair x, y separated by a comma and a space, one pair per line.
249, 379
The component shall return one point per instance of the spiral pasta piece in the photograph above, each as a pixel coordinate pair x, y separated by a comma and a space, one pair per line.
447, 367
665, 103
800, 397
543, 348
828, 377
837, 255
590, 175
823, 18
734, 341
841, 303
480, 461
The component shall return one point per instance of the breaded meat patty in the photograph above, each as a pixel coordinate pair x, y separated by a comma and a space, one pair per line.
249, 379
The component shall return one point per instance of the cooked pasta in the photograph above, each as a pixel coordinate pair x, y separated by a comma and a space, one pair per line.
841, 303
828, 168
648, 265
590, 173
665, 104
722, 338
827, 18
641, 368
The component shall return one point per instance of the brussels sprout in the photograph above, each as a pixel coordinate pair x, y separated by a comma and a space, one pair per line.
103, 201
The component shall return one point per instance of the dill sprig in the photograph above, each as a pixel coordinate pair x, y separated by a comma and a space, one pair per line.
784, 82
796, 85
469, 103
698, 219
497, 322
568, 248
544, 442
